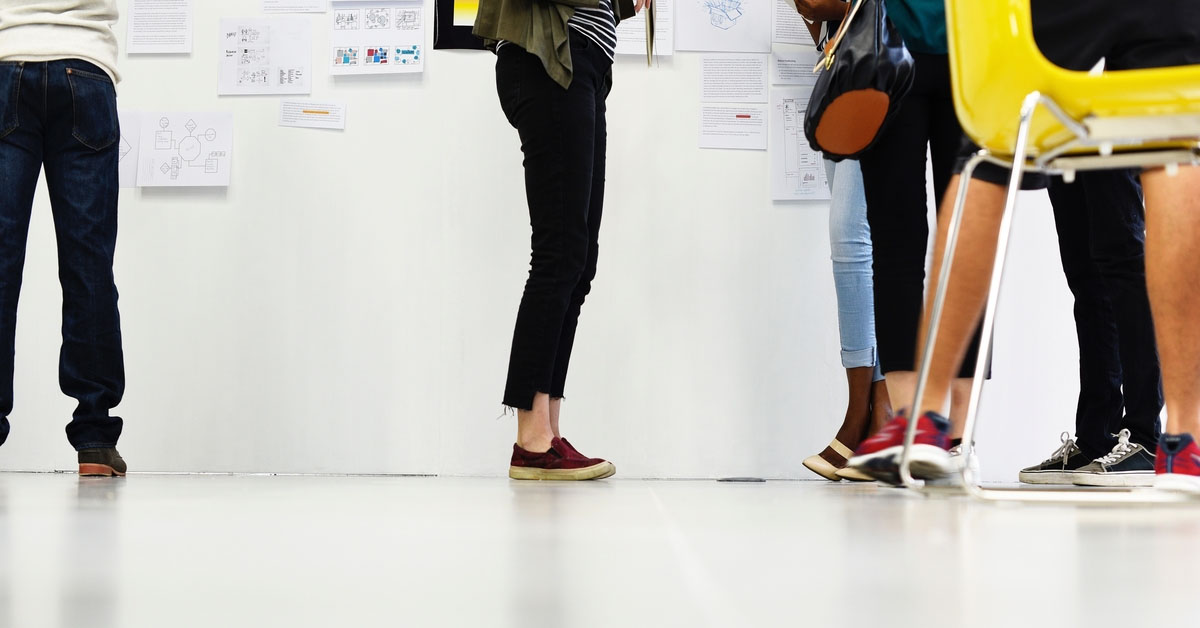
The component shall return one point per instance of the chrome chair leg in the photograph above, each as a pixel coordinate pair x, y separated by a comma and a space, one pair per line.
935, 314
1014, 186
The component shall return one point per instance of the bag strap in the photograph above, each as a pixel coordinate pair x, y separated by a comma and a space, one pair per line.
831, 47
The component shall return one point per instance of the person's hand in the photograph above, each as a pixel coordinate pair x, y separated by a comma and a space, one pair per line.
821, 10
639, 5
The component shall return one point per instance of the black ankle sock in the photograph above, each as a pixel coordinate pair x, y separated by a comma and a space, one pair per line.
955, 442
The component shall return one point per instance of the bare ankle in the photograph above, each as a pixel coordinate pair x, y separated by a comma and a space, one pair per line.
536, 444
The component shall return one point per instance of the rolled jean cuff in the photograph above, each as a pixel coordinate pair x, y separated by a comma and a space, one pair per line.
858, 358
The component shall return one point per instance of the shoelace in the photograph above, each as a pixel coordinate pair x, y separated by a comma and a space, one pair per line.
1120, 450
1064, 452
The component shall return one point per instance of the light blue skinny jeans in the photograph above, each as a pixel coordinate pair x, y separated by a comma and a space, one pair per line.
850, 243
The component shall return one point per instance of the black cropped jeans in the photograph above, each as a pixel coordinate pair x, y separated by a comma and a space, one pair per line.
563, 137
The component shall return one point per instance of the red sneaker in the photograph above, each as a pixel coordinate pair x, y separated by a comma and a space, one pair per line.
612, 469
560, 462
1177, 464
879, 455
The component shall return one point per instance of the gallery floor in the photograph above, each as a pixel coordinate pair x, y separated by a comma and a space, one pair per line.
194, 550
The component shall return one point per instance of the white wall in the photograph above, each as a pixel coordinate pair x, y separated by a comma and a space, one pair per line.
346, 305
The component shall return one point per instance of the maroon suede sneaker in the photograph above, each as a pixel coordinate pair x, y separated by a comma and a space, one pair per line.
560, 462
611, 469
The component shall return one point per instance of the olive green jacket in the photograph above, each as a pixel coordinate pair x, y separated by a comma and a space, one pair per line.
538, 26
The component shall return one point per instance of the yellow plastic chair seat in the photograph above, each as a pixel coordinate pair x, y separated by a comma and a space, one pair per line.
995, 63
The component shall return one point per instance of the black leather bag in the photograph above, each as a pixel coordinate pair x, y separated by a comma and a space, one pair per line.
865, 73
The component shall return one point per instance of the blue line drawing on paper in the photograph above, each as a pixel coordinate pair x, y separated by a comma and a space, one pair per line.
723, 14
409, 55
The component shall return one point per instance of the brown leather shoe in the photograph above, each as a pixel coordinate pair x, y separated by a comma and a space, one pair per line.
560, 462
101, 462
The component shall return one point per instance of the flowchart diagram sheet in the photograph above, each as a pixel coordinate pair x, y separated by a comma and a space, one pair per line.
185, 149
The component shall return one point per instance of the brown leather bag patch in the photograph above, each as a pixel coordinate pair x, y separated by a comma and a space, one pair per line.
852, 121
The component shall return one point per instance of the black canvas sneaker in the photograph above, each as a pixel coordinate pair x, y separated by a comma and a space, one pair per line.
1128, 464
1062, 467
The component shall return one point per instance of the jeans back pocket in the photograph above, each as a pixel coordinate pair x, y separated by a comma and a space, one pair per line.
95, 104
10, 92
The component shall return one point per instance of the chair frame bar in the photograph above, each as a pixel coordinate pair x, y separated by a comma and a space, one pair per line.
1020, 163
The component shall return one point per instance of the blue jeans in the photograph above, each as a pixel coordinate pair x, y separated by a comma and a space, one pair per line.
62, 115
850, 244
1101, 238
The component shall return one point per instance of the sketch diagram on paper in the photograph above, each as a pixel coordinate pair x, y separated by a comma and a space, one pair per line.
377, 36
376, 56
253, 36
378, 18
181, 149
131, 132
724, 25
259, 77
345, 56
408, 19
409, 56
254, 56
346, 19
265, 56
801, 164
798, 171
188, 151
723, 14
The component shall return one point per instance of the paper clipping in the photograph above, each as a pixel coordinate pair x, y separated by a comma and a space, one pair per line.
797, 171
310, 114
376, 37
723, 25
185, 149
631, 32
159, 27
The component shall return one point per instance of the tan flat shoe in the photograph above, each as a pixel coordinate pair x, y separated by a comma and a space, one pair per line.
827, 463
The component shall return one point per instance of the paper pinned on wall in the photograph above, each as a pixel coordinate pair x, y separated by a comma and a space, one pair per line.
311, 114
265, 56
159, 27
185, 149
295, 6
733, 126
631, 32
129, 147
723, 25
376, 37
738, 78
797, 171
788, 27
794, 67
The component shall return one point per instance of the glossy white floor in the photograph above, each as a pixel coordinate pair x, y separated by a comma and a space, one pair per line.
181, 551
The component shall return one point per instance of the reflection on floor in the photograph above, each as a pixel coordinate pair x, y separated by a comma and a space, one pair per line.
183, 551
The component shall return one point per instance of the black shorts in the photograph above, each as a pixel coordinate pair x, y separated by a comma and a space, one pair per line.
1127, 34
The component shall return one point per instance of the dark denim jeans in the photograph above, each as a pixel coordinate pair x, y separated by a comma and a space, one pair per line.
1101, 237
563, 137
62, 115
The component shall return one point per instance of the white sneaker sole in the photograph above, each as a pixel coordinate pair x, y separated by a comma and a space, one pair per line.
1049, 477
1178, 482
595, 472
1127, 479
928, 463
